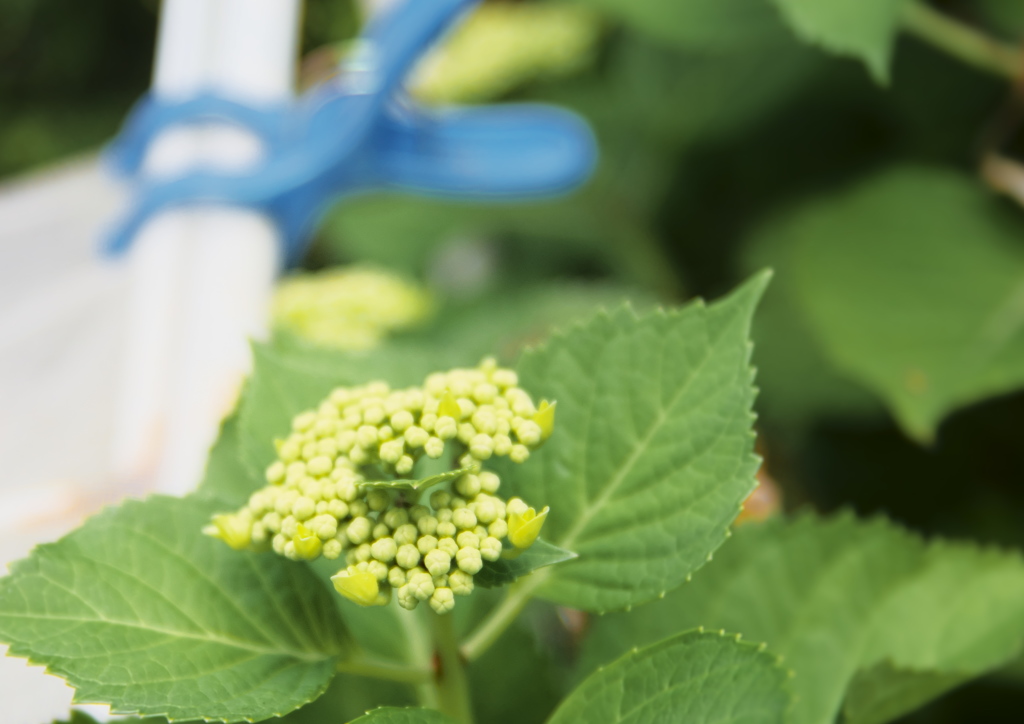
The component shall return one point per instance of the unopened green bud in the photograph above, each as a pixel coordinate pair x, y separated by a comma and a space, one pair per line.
460, 582
396, 577
427, 524
443, 600
519, 454
490, 549
404, 465
446, 427
437, 562
384, 549
468, 485
469, 560
467, 539
378, 568
332, 549
307, 544
421, 584
406, 534
406, 598
416, 436
234, 530
440, 499
408, 556
378, 499
446, 529
359, 529
275, 473
524, 527
361, 588
448, 545
464, 519
425, 544
434, 448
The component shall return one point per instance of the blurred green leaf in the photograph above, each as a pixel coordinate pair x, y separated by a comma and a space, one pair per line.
227, 478
913, 282
720, 25
872, 620
652, 452
798, 383
138, 609
864, 29
696, 677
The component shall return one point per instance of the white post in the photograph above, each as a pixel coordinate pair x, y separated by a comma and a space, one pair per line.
202, 277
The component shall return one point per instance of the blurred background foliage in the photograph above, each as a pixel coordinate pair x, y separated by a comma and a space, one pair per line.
890, 346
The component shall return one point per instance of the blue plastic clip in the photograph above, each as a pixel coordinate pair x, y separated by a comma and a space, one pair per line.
359, 132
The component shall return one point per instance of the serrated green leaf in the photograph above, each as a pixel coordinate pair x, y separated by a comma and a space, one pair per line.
868, 616
914, 283
652, 453
863, 29
408, 715
420, 484
138, 609
695, 677
506, 570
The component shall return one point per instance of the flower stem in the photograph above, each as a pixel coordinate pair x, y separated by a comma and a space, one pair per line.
379, 669
962, 41
450, 677
492, 627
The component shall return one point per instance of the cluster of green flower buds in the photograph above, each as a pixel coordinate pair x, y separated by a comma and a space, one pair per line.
349, 307
323, 500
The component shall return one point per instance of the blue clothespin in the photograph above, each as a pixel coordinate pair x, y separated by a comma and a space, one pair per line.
360, 132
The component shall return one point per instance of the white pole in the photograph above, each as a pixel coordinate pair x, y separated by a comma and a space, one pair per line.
203, 276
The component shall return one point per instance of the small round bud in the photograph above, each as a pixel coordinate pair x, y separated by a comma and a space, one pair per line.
396, 577
519, 454
446, 427
396, 517
401, 420
434, 448
359, 530
505, 378
378, 499
481, 446
406, 598
466, 433
381, 530
460, 582
440, 499
443, 600
490, 549
502, 444
337, 508
437, 562
446, 528
275, 473
404, 465
363, 553
384, 549
467, 539
489, 482
378, 569
464, 519
408, 556
426, 543
358, 508
304, 508
320, 466
443, 515
448, 545
427, 525
374, 415
469, 560
406, 533
498, 529
421, 584
516, 506
289, 451
485, 393
486, 511
304, 421
332, 549
468, 485
416, 436
391, 451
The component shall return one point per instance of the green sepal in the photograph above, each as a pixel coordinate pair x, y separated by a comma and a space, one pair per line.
506, 570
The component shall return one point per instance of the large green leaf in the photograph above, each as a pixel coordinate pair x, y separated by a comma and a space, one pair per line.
914, 284
398, 715
864, 29
695, 677
138, 609
652, 451
869, 617
227, 477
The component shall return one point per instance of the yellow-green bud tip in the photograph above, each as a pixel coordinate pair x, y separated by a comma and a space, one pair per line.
361, 588
545, 418
307, 543
449, 406
229, 528
524, 527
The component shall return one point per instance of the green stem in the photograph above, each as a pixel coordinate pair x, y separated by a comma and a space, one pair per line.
379, 669
492, 627
450, 678
962, 41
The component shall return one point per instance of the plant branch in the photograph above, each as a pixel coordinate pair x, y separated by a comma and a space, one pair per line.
379, 669
492, 627
450, 677
962, 41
